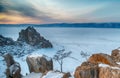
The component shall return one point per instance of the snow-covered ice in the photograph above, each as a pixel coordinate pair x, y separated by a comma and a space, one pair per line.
52, 74
33, 75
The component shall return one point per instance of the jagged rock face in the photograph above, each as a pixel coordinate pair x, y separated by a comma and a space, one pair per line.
116, 55
5, 41
39, 63
102, 58
32, 37
107, 72
13, 68
87, 70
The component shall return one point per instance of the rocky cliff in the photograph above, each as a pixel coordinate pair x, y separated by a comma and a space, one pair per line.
32, 37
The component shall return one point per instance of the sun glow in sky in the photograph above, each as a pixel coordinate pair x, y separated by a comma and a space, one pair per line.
58, 11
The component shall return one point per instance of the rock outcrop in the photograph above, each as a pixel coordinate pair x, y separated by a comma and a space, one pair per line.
102, 58
99, 66
32, 37
86, 70
116, 55
39, 63
6, 41
13, 68
108, 72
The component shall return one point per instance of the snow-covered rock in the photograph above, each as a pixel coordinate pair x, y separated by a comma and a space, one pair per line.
98, 66
86, 70
102, 58
6, 41
106, 71
14, 71
39, 63
116, 55
17, 50
13, 68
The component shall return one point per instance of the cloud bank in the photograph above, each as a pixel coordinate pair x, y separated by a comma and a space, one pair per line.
58, 11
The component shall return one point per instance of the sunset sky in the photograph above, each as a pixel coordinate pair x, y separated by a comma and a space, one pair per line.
58, 11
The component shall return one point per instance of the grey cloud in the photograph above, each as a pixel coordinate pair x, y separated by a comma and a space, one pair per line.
24, 9
2, 6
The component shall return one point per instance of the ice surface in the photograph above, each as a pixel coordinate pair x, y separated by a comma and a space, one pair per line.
2, 67
33, 75
52, 74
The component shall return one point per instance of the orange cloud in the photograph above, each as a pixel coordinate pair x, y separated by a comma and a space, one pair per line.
17, 19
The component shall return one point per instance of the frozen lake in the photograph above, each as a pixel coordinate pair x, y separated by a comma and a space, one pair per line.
70, 36
90, 40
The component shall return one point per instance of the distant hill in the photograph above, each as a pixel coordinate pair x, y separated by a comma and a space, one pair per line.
83, 25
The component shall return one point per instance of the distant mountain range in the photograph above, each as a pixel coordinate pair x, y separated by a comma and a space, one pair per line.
83, 25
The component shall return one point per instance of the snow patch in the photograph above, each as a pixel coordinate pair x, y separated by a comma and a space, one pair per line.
14, 68
36, 55
118, 63
52, 74
104, 65
33, 75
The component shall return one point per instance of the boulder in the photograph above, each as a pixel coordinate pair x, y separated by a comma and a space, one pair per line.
39, 63
98, 66
32, 37
86, 70
66, 75
13, 68
116, 55
109, 72
6, 41
102, 58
